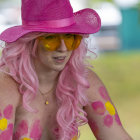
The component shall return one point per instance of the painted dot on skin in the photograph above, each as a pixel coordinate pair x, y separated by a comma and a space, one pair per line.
93, 127
74, 138
108, 120
22, 129
110, 108
3, 124
16, 136
8, 112
99, 108
25, 139
118, 120
36, 131
103, 93
7, 134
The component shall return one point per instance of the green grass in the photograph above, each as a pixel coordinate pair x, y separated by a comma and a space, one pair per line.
120, 72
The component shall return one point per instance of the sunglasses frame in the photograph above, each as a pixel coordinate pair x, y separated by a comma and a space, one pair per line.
75, 45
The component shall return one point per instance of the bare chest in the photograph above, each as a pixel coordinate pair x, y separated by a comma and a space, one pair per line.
40, 124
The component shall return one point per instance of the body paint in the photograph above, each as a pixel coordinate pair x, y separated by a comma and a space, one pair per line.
98, 107
22, 129
74, 138
7, 134
56, 132
0, 115
36, 131
8, 112
3, 124
110, 108
25, 139
108, 120
103, 93
118, 120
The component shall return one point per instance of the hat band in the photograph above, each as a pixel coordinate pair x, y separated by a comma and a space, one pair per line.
50, 24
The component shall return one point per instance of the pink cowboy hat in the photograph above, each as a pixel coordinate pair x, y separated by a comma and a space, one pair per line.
52, 16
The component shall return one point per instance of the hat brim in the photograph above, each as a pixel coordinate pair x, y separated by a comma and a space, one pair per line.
87, 21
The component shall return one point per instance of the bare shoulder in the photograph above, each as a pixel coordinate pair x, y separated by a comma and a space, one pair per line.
8, 89
95, 85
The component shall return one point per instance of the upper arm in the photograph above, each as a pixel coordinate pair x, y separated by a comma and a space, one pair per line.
102, 115
8, 102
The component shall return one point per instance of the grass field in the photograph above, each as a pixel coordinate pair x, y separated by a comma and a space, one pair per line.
120, 72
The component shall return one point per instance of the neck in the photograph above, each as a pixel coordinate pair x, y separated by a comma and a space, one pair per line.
46, 76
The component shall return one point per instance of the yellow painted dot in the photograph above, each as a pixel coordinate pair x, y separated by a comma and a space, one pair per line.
74, 138
47, 102
25, 139
3, 124
110, 108
47, 46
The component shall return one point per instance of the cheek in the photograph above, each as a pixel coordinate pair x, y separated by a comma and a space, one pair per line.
69, 55
45, 57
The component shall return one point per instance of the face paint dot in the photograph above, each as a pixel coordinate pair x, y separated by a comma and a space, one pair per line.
108, 120
36, 130
3, 124
7, 134
98, 107
110, 108
25, 139
8, 112
23, 127
103, 93
74, 138
118, 120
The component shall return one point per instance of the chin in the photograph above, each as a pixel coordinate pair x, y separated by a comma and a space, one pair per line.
58, 68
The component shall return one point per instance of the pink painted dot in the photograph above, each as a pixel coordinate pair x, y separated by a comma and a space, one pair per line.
22, 129
16, 136
36, 131
7, 134
98, 107
118, 120
8, 112
56, 132
103, 93
108, 120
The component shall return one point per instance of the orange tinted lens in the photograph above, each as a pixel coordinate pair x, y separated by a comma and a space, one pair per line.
50, 43
72, 41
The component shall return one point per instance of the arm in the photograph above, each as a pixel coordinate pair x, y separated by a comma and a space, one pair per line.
102, 115
8, 102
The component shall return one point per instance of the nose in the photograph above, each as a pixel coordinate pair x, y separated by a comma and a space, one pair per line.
62, 46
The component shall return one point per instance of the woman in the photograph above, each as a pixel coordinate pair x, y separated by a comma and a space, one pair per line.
46, 88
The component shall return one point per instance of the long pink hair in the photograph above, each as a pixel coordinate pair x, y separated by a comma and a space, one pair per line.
71, 87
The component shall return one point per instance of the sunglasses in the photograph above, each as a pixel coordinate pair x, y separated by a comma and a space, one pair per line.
53, 42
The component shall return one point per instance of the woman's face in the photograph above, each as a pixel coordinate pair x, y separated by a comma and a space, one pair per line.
53, 59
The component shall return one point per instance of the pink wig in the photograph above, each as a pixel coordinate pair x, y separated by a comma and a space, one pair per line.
71, 87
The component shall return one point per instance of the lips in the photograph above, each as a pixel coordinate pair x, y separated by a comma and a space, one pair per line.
59, 59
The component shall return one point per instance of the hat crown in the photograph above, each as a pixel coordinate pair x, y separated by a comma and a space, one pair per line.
45, 10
